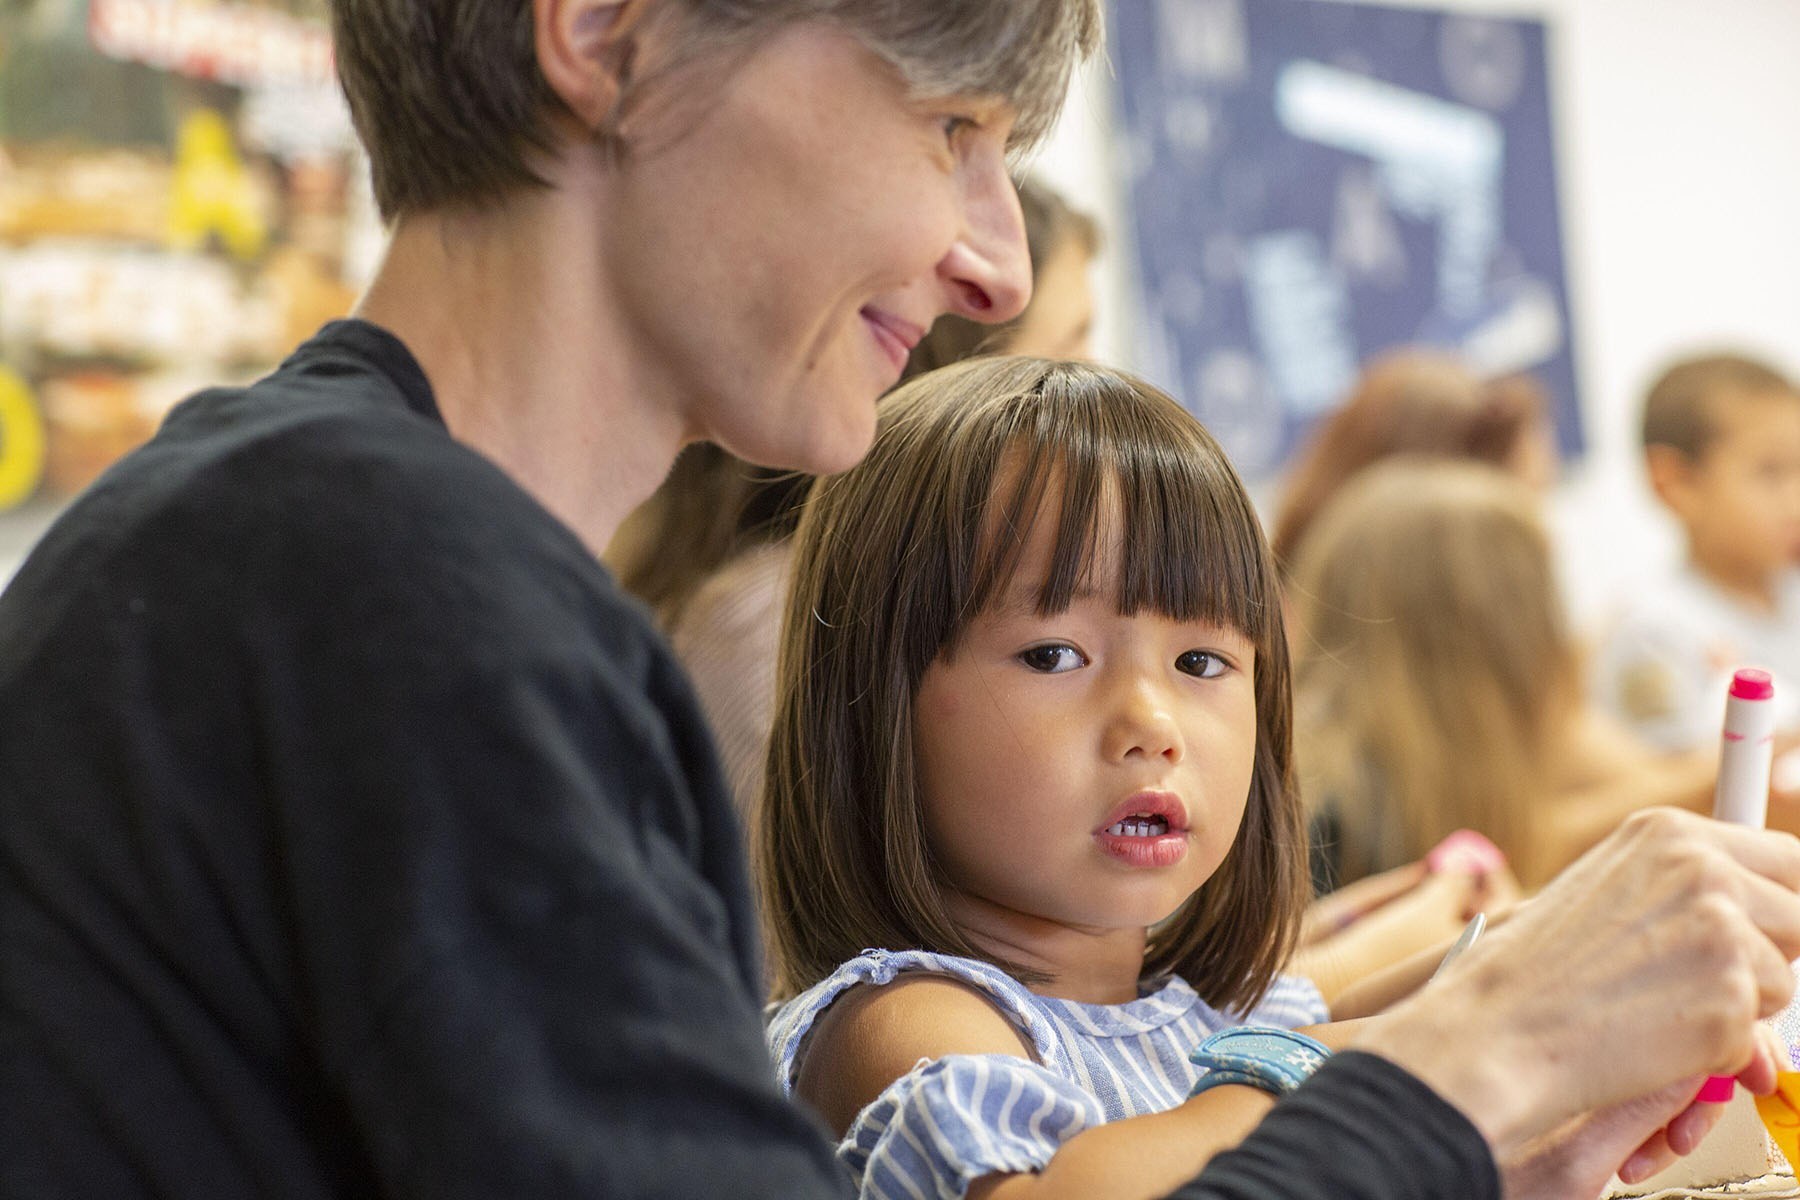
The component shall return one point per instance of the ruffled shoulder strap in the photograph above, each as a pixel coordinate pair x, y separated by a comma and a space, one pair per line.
793, 1021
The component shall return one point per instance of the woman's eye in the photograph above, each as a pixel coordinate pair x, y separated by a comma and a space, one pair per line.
955, 125
1053, 659
1202, 664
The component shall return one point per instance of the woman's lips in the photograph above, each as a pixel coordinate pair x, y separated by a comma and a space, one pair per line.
895, 336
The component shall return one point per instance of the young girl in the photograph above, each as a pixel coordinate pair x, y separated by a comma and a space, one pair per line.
1032, 743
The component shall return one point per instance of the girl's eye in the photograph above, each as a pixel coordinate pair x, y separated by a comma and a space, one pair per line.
955, 125
1053, 659
1201, 664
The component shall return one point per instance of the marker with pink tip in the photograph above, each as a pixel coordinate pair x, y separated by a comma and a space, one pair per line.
1742, 797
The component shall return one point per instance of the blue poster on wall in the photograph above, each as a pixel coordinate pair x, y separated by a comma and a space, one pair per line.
1313, 182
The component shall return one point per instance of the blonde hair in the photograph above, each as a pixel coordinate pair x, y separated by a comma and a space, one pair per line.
896, 557
1434, 666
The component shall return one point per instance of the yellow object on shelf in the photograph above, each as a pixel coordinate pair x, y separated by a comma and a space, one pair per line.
213, 194
21, 442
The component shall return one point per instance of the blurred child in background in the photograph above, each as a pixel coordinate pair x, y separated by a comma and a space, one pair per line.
1438, 687
1722, 449
1421, 403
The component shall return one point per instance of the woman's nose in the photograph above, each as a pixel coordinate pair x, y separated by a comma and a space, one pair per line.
987, 270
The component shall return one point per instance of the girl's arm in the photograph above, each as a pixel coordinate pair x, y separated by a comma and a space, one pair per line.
1429, 915
1604, 776
1152, 1155
875, 1035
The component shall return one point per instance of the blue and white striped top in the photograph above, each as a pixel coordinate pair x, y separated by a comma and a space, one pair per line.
951, 1120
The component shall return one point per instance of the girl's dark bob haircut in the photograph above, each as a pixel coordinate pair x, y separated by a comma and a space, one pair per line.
896, 557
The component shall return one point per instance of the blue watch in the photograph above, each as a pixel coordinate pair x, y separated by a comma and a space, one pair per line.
1259, 1056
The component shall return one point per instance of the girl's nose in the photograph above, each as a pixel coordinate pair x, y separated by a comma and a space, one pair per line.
1142, 725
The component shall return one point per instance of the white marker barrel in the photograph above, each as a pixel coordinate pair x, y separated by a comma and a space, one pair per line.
1747, 750
1745, 755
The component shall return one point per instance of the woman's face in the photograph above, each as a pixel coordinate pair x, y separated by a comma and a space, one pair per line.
776, 252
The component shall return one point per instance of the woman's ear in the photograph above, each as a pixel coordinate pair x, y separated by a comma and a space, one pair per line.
585, 49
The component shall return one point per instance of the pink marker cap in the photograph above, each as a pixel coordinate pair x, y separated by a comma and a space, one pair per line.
1752, 684
1464, 852
1717, 1089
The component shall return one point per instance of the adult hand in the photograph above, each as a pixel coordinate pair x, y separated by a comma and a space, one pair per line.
1577, 1159
1643, 967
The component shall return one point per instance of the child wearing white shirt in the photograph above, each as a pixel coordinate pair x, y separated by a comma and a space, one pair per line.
1722, 447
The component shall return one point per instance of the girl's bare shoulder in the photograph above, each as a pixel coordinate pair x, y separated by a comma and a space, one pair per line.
872, 1035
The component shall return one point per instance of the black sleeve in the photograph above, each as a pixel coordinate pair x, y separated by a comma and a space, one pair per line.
358, 839
1359, 1129
518, 892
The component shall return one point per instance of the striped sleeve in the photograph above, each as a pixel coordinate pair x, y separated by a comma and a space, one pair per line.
952, 1120
1292, 1002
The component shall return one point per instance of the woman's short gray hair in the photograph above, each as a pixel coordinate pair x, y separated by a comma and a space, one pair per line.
449, 101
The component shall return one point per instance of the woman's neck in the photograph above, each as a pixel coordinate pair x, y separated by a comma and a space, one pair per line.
1094, 966
508, 315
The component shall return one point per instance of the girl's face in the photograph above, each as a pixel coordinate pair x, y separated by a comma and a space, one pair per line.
1087, 770
777, 257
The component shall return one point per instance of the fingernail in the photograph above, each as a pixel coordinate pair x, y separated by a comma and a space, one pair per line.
1635, 1168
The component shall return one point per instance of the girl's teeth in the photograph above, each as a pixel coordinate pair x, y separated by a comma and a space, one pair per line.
1154, 827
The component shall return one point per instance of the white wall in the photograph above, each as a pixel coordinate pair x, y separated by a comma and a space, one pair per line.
1679, 146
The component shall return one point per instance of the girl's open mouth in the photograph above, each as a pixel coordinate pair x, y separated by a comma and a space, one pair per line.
1143, 840
1139, 827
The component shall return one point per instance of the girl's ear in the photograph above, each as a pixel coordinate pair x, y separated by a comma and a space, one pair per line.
585, 49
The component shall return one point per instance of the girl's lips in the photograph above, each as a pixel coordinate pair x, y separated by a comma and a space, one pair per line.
1148, 829
1166, 805
1161, 850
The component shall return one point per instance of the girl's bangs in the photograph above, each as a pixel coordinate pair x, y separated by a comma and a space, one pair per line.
1139, 491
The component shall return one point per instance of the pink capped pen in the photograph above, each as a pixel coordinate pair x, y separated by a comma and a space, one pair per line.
1742, 796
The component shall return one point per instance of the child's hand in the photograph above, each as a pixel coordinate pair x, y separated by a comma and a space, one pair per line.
1579, 1158
1338, 910
1430, 914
